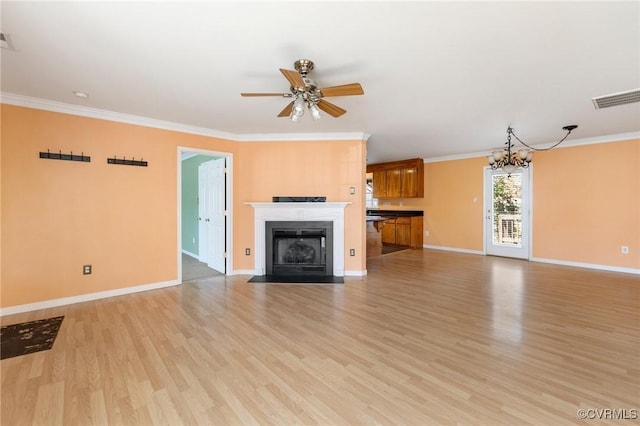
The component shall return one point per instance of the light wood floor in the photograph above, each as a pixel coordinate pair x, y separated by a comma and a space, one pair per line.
428, 337
193, 269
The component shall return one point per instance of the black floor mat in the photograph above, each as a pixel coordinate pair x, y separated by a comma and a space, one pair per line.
296, 279
28, 337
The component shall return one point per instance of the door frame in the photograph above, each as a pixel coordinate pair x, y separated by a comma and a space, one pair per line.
529, 217
228, 201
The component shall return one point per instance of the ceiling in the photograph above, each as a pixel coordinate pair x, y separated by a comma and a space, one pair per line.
441, 79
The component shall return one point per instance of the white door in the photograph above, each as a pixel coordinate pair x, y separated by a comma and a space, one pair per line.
211, 213
507, 213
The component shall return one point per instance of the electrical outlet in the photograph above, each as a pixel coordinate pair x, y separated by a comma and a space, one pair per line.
426, 233
86, 269
247, 251
352, 252
352, 190
624, 249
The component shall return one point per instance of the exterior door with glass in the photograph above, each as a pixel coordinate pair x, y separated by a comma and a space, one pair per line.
507, 213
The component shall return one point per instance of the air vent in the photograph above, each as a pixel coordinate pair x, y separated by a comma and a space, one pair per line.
616, 99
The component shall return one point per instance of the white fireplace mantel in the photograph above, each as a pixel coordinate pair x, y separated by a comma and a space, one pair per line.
326, 211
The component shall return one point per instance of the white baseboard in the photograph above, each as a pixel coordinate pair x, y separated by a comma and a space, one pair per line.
188, 253
459, 250
588, 265
243, 272
46, 304
355, 273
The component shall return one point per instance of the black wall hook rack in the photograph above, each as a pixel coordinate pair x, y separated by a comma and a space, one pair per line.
123, 161
69, 157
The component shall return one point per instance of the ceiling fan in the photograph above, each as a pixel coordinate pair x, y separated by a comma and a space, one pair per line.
305, 92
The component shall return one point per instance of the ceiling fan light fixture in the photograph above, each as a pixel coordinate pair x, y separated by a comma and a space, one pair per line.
307, 94
315, 111
298, 108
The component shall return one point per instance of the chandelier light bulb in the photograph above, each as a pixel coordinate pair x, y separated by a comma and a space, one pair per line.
523, 153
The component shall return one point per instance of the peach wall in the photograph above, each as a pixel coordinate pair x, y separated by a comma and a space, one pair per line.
328, 169
58, 215
584, 208
452, 204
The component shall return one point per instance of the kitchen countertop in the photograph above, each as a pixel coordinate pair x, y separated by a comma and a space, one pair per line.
388, 213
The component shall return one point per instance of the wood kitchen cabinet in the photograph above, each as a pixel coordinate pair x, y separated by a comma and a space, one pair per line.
380, 184
402, 231
398, 179
388, 231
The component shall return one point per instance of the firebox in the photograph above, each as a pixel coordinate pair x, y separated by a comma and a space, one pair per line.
303, 248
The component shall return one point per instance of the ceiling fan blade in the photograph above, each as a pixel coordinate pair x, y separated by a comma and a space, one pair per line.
330, 108
287, 110
294, 77
284, 95
343, 90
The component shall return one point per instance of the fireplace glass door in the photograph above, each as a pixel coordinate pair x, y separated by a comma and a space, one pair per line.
299, 248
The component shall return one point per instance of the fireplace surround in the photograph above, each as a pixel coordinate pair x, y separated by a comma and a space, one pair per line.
295, 212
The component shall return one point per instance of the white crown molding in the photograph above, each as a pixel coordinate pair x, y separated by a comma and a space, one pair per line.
297, 137
576, 142
83, 111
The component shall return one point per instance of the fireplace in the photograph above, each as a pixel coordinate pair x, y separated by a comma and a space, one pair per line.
332, 212
303, 248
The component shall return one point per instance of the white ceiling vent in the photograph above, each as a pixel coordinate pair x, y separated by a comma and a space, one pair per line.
616, 99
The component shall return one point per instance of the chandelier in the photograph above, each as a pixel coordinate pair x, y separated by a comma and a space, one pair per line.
510, 160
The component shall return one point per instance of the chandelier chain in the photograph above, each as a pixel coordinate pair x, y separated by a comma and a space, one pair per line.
510, 131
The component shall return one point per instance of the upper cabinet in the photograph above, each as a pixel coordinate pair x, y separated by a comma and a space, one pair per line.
398, 179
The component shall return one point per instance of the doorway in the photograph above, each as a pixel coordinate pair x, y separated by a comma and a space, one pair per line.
204, 200
507, 201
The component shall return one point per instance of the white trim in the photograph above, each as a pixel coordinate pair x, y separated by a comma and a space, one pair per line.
229, 201
355, 273
456, 249
588, 265
46, 304
243, 272
576, 142
188, 253
298, 137
84, 111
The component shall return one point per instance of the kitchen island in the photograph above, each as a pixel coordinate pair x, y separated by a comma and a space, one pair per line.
398, 228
